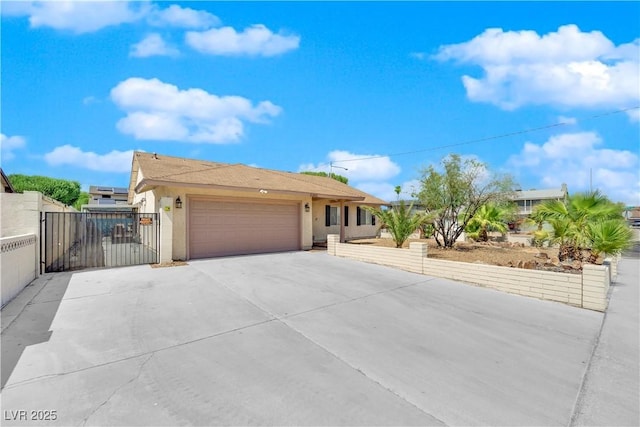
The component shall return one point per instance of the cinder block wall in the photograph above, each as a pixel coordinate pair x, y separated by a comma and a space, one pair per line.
587, 290
595, 285
561, 287
405, 259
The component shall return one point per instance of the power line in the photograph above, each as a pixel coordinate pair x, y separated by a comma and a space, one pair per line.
490, 138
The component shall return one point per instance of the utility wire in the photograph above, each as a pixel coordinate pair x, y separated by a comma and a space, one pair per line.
490, 138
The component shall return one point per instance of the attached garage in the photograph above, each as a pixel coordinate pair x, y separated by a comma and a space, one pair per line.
210, 209
221, 227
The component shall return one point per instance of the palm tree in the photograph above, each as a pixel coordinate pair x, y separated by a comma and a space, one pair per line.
573, 221
489, 217
610, 236
399, 221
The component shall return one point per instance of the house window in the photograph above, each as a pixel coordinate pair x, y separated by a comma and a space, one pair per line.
332, 215
346, 216
365, 217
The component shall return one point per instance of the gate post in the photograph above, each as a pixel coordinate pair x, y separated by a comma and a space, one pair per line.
166, 229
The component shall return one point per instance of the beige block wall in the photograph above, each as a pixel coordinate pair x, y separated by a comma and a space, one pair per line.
561, 287
587, 290
595, 282
405, 259
180, 216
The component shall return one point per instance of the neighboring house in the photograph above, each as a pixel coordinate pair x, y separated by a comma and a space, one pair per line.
108, 195
106, 199
416, 205
527, 200
6, 184
218, 209
632, 215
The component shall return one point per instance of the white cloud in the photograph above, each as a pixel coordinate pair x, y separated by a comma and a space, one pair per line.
567, 120
634, 115
566, 68
418, 55
114, 161
182, 17
370, 173
372, 168
89, 100
256, 40
161, 111
78, 16
10, 143
152, 45
85, 16
577, 160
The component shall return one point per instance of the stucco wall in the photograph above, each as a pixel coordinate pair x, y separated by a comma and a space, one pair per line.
352, 231
18, 265
20, 213
180, 216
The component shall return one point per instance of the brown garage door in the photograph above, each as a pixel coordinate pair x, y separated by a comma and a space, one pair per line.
231, 227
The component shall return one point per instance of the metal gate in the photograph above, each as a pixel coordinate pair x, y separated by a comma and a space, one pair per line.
74, 241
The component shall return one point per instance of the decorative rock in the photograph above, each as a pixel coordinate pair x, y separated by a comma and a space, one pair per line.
529, 265
576, 265
542, 255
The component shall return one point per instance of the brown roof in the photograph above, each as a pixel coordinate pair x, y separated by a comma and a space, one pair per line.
158, 170
8, 187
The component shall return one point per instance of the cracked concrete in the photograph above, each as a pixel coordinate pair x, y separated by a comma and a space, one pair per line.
116, 390
293, 339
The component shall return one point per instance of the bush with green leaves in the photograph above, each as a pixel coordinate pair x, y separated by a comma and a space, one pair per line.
454, 191
62, 190
342, 179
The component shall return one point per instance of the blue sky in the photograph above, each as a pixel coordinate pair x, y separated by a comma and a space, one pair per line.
294, 86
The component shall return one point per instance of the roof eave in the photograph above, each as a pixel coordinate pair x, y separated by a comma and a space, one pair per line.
149, 184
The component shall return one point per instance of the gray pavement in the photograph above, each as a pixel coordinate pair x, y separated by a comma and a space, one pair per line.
290, 339
611, 392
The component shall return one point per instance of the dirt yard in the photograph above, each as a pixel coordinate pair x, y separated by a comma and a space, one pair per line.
495, 253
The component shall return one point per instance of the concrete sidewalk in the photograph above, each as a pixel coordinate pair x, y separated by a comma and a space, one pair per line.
610, 394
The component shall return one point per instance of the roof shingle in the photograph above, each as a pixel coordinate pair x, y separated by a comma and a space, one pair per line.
167, 170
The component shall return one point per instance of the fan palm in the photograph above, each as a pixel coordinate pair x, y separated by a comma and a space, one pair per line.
489, 217
574, 218
610, 237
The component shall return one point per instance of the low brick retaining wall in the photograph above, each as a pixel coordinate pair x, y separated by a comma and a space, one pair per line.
586, 290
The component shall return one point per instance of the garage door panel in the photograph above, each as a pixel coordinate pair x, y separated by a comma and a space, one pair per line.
219, 228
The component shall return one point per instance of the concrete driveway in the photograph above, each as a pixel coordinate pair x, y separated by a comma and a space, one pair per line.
288, 339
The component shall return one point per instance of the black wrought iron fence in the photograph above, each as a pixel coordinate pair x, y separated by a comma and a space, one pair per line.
75, 241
